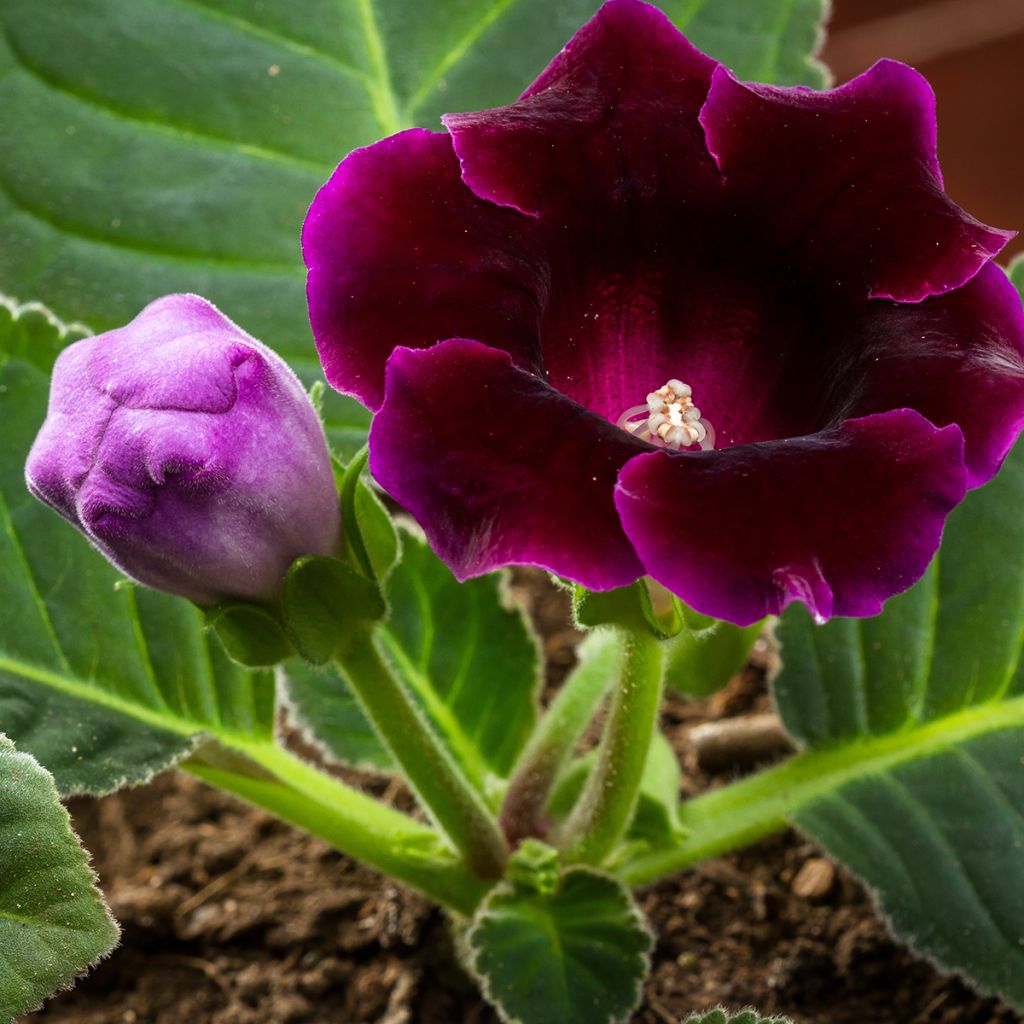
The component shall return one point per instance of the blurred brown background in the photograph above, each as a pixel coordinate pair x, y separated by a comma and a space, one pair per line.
972, 52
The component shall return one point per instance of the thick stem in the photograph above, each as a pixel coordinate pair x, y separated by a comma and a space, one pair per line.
354, 823
606, 805
556, 736
441, 787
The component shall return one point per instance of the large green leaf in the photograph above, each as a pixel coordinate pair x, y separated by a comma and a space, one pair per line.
938, 834
53, 921
577, 955
466, 655
153, 146
104, 683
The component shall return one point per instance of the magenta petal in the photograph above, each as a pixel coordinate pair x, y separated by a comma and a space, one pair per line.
612, 120
400, 252
499, 468
955, 358
840, 520
848, 180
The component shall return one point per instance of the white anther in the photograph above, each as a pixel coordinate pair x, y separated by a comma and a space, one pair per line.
672, 419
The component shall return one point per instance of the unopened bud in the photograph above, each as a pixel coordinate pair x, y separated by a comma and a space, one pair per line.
188, 453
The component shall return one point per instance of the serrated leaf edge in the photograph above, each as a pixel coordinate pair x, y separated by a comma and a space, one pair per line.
468, 950
7, 746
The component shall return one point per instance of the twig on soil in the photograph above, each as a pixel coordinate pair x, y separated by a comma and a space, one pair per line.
739, 742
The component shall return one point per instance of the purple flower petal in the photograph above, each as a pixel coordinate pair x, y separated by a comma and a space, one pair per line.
840, 520
500, 468
847, 180
583, 132
188, 453
400, 252
955, 358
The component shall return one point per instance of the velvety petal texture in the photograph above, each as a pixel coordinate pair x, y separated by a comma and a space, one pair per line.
188, 453
504, 294
500, 468
848, 180
400, 251
840, 520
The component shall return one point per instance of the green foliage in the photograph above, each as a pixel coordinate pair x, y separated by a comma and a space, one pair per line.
104, 683
369, 534
469, 659
707, 653
631, 607
743, 1017
575, 955
325, 604
31, 332
656, 819
250, 634
938, 831
53, 921
153, 146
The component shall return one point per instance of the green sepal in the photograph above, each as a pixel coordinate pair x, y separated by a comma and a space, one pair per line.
707, 653
630, 607
369, 535
251, 635
534, 866
326, 605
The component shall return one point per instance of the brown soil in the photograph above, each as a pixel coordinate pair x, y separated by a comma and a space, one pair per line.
231, 917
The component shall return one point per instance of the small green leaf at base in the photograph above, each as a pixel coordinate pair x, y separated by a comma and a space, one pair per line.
250, 634
325, 604
53, 921
720, 1016
577, 955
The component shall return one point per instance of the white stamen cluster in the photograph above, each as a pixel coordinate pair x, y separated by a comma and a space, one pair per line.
669, 419
673, 418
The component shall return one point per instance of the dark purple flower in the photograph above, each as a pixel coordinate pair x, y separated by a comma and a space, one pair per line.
188, 453
559, 305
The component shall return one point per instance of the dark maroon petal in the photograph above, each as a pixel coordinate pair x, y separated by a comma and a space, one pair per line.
400, 252
498, 468
840, 520
955, 358
613, 120
847, 180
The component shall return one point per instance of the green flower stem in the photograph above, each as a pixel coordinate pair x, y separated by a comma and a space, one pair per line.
277, 781
553, 741
442, 788
606, 805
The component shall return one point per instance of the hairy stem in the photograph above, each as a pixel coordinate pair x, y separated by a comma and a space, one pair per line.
553, 741
385, 839
606, 805
439, 784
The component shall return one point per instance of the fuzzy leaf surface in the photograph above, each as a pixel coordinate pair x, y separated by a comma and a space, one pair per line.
938, 680
577, 955
53, 921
